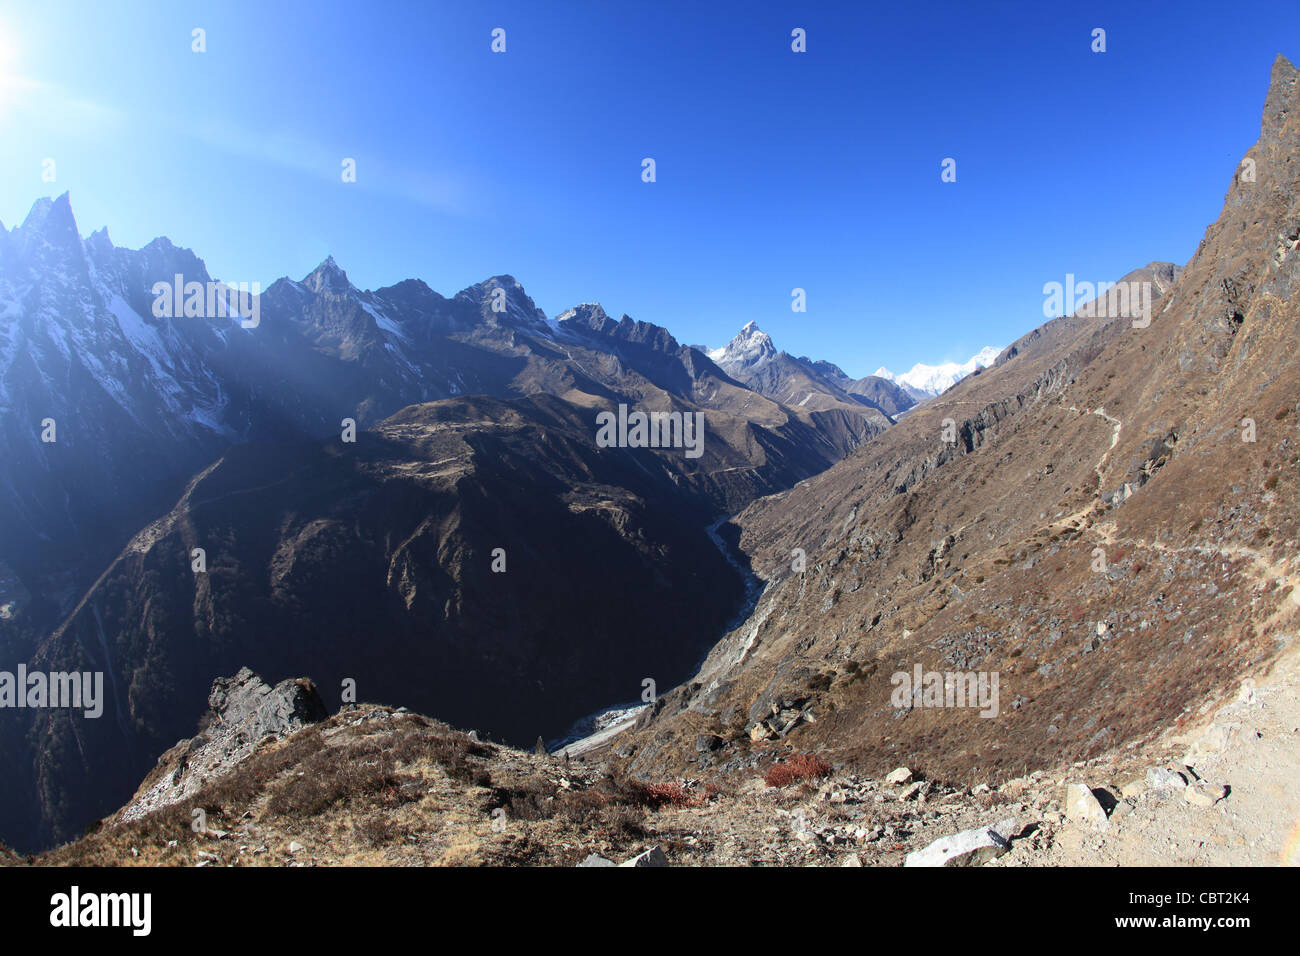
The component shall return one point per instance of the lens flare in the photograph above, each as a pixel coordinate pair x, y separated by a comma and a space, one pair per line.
1291, 849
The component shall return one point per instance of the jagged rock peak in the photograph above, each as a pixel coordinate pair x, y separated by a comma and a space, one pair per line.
585, 312
1283, 98
51, 220
327, 277
750, 347
279, 709
244, 711
100, 237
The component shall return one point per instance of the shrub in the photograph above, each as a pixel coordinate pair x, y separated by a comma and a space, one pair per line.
673, 794
797, 768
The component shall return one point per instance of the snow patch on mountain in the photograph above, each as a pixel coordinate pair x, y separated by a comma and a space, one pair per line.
384, 322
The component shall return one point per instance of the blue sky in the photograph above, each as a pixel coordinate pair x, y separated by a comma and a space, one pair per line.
775, 170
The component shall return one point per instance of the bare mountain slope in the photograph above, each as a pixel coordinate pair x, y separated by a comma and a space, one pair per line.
1097, 532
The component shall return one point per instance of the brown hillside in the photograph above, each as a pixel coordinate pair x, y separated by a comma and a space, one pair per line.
979, 554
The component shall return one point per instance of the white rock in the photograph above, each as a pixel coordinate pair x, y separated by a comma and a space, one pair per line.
1082, 806
651, 857
1202, 794
968, 848
1213, 741
1247, 695
1162, 778
899, 777
911, 791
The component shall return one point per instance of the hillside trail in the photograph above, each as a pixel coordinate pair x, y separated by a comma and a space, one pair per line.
1251, 745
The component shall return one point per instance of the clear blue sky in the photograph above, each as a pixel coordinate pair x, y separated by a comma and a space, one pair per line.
775, 169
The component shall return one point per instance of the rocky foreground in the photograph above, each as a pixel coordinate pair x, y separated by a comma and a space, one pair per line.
272, 781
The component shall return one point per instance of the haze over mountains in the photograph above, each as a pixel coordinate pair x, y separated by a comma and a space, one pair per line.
140, 404
476, 555
116, 420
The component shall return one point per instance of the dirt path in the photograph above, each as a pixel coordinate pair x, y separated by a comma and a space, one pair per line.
1252, 746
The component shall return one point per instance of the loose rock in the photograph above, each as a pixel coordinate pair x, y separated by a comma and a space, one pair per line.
968, 848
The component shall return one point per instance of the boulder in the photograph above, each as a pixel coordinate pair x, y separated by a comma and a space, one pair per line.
651, 857
1202, 794
707, 743
912, 791
968, 848
899, 777
1134, 788
257, 710
1214, 740
1082, 806
1162, 778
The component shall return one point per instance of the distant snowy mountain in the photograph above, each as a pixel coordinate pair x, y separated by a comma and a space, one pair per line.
751, 359
926, 381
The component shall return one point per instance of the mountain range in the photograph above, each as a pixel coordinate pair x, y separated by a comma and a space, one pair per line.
140, 404
925, 381
211, 433
1102, 514
751, 358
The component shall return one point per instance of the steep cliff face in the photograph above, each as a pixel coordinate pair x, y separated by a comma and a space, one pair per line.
476, 558
1105, 520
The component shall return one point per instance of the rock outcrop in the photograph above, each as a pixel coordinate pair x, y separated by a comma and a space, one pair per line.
244, 713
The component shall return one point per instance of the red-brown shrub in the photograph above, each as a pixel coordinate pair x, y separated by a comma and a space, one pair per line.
797, 768
672, 794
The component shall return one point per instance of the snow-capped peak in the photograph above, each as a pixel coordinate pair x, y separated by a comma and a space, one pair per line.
750, 347
934, 379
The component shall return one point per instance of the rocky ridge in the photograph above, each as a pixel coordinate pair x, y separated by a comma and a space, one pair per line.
373, 785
